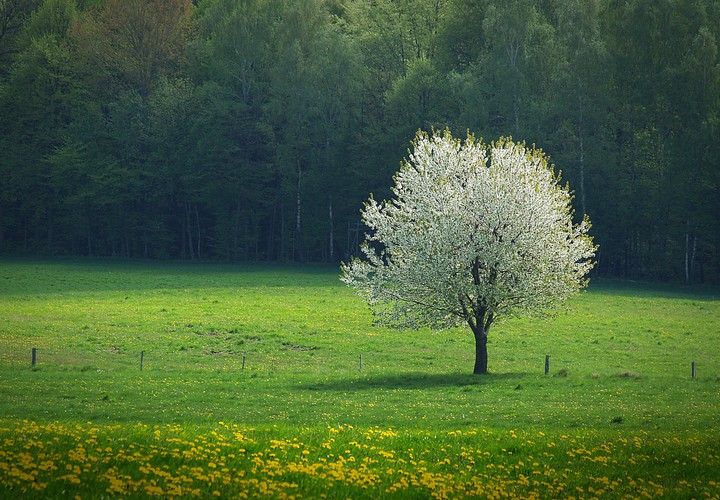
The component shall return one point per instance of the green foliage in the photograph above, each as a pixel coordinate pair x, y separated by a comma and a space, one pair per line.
53, 17
254, 129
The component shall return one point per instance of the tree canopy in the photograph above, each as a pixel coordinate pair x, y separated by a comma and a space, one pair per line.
255, 129
474, 232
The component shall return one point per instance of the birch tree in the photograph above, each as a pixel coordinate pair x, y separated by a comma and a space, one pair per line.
475, 232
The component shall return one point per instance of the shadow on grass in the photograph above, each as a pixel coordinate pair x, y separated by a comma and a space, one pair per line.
411, 381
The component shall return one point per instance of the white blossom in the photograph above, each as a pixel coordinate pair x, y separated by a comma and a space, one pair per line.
473, 233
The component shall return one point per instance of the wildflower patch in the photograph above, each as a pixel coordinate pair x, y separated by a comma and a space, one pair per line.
230, 460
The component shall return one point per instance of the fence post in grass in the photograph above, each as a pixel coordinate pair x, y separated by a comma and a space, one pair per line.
547, 365
243, 365
142, 356
34, 357
361, 362
693, 370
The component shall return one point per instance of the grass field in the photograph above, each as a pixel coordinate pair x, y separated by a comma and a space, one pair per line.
271, 381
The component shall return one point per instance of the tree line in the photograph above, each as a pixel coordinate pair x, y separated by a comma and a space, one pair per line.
255, 129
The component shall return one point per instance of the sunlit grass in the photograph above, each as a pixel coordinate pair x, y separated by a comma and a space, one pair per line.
620, 372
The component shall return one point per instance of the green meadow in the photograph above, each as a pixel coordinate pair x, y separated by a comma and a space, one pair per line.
271, 381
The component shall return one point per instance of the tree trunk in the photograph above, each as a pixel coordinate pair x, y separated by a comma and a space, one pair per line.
233, 253
50, 230
189, 231
298, 241
687, 254
479, 319
632, 148
283, 255
197, 220
693, 253
481, 353
582, 145
332, 242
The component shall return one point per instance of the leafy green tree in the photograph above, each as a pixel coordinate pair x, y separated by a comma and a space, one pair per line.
13, 15
660, 147
337, 77
518, 40
504, 68
292, 113
420, 99
690, 101
233, 57
405, 89
176, 185
129, 44
255, 128
312, 102
581, 87
124, 50
37, 100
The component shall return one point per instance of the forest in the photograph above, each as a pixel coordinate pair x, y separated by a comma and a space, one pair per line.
256, 129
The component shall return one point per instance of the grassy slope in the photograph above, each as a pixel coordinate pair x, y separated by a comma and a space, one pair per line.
620, 358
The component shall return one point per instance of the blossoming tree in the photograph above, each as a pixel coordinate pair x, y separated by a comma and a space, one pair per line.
475, 232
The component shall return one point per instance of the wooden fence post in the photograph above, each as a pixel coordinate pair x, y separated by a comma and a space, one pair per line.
34, 357
142, 356
693, 370
547, 365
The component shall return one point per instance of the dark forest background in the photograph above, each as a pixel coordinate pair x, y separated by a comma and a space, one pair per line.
255, 129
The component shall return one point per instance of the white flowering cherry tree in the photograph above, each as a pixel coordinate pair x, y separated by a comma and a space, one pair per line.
475, 232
